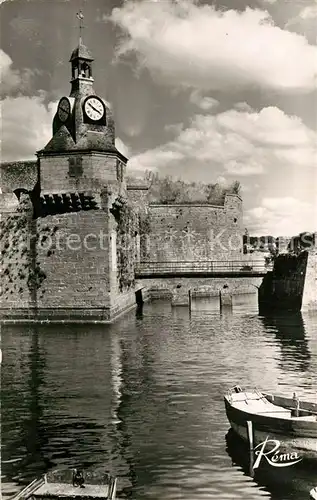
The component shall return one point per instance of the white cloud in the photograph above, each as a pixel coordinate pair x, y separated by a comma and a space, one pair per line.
243, 106
187, 44
309, 12
175, 128
222, 180
153, 159
12, 80
284, 216
305, 20
26, 126
240, 143
205, 103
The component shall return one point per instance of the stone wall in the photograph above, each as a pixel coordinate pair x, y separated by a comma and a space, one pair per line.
310, 287
195, 232
80, 264
79, 172
16, 260
282, 289
62, 267
18, 174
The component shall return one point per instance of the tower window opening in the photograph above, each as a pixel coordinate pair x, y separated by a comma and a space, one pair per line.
85, 70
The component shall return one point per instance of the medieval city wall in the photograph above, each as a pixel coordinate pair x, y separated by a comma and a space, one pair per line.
191, 232
17, 174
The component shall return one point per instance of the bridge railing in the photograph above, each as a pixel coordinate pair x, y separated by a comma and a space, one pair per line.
171, 267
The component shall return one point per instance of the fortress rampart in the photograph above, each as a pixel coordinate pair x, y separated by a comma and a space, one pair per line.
195, 232
72, 230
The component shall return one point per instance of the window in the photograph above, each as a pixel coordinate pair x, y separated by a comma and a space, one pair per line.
75, 168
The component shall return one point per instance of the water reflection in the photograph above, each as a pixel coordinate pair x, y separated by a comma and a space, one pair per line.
291, 482
26, 426
34, 435
289, 330
139, 311
144, 397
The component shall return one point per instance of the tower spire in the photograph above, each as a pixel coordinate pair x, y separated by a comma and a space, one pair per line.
81, 64
80, 17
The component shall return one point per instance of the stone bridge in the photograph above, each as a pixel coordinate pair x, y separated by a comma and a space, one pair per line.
206, 269
182, 281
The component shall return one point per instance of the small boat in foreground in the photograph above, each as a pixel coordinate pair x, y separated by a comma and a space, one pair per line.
291, 422
313, 493
64, 484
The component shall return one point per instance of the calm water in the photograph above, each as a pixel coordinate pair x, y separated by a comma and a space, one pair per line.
144, 398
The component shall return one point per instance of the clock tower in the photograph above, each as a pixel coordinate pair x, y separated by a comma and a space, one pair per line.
81, 154
81, 196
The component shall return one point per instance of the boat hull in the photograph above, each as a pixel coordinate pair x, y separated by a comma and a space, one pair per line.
304, 447
294, 435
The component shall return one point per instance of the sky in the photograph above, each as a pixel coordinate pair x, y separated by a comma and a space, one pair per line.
209, 90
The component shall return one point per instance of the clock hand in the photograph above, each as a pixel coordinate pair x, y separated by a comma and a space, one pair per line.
95, 109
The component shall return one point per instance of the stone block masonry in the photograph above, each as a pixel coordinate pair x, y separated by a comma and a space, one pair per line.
62, 267
282, 289
310, 286
191, 232
75, 261
19, 174
78, 172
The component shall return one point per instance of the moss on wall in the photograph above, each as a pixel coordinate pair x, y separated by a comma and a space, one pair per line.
22, 274
127, 228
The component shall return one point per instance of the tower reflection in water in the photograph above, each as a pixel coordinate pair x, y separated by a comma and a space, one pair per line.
21, 408
58, 411
289, 330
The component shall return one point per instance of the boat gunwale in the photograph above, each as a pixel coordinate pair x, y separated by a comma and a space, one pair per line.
33, 489
291, 425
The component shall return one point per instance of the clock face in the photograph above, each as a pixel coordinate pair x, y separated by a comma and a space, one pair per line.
63, 110
94, 108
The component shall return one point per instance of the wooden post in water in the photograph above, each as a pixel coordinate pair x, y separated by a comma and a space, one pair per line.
180, 296
251, 446
225, 299
190, 299
250, 434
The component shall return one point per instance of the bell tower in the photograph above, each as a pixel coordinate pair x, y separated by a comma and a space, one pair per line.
81, 69
81, 65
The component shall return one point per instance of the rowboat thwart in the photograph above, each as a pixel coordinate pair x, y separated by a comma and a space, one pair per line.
288, 420
66, 484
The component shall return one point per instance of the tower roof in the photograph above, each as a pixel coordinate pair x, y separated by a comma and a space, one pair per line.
81, 52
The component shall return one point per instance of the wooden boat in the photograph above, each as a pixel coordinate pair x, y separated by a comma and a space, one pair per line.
291, 422
66, 484
313, 493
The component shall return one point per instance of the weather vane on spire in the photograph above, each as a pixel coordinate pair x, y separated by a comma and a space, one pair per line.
80, 17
